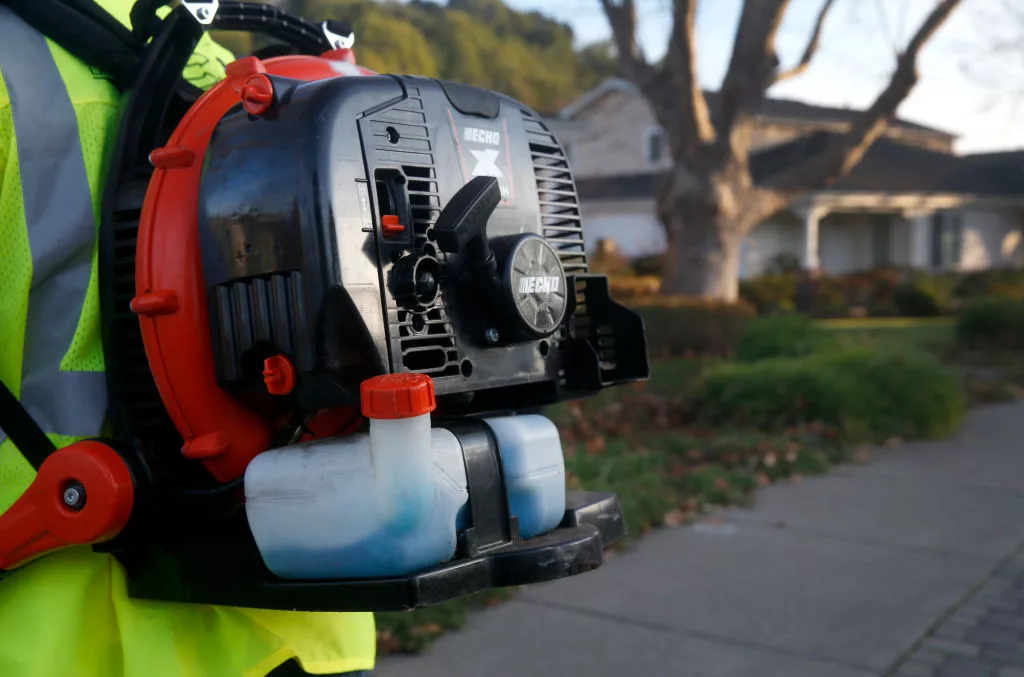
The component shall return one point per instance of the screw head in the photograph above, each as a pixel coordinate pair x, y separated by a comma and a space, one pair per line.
74, 496
492, 336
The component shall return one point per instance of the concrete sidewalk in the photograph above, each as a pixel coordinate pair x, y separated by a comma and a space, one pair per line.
905, 566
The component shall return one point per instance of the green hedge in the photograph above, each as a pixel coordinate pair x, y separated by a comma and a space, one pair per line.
881, 292
868, 394
770, 293
684, 327
913, 300
993, 322
789, 335
1001, 282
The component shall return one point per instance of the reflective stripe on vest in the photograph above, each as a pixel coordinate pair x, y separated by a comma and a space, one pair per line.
61, 233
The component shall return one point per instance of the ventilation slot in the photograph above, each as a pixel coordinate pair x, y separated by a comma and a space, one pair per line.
559, 204
401, 140
427, 343
258, 311
424, 200
136, 401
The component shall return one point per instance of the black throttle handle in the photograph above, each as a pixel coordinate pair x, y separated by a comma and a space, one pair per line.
463, 221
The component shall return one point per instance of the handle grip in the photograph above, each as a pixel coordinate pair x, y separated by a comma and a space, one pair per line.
465, 217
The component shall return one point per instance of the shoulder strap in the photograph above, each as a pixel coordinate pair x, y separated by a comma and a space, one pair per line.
88, 32
22, 429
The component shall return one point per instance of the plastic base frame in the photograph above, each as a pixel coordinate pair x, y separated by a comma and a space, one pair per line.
225, 568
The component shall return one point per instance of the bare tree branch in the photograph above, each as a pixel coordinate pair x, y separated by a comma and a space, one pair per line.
843, 154
673, 89
622, 17
753, 64
681, 66
812, 46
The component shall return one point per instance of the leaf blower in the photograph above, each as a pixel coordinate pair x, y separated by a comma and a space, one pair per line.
335, 303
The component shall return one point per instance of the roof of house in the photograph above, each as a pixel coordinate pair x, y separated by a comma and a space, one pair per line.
888, 166
776, 108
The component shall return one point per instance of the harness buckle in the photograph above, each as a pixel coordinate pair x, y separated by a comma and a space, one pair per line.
203, 11
339, 34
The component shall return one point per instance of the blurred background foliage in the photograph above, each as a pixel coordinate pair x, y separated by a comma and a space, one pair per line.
484, 43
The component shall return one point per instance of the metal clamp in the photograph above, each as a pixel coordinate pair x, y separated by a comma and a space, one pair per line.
204, 11
337, 40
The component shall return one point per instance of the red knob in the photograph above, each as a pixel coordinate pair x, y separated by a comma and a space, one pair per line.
258, 94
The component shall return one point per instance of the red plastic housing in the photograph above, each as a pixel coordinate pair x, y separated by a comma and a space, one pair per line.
170, 290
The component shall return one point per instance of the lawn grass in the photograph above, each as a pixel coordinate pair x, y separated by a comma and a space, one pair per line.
935, 335
885, 322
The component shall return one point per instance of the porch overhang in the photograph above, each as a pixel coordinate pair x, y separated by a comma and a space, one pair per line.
905, 203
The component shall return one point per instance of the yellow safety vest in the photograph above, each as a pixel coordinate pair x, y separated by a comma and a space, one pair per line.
68, 614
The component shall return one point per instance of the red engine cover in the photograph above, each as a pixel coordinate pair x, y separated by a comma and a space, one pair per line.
170, 291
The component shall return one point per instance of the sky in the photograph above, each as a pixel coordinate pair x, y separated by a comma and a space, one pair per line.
967, 87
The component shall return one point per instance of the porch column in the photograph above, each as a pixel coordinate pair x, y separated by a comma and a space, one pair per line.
812, 216
920, 238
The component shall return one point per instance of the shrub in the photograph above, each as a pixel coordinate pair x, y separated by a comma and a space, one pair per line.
687, 327
912, 300
606, 259
779, 336
770, 293
827, 298
871, 291
991, 322
868, 394
653, 264
941, 286
998, 282
629, 289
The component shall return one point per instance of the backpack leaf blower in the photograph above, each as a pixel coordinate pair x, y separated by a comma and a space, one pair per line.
334, 304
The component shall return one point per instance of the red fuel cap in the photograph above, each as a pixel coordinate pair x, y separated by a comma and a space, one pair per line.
394, 396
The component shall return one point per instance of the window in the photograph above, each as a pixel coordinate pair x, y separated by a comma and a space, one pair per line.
655, 147
947, 239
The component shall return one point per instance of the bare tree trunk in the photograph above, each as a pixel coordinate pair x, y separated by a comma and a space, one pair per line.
705, 258
707, 206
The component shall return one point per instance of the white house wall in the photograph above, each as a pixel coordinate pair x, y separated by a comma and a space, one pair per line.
633, 226
991, 238
782, 235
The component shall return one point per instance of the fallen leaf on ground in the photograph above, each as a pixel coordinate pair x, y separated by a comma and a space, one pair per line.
674, 519
429, 629
595, 445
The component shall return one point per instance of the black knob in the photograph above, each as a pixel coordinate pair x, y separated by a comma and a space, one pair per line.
415, 281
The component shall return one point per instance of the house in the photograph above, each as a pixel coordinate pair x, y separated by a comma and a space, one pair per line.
911, 202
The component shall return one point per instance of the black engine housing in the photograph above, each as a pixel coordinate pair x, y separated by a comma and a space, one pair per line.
299, 259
